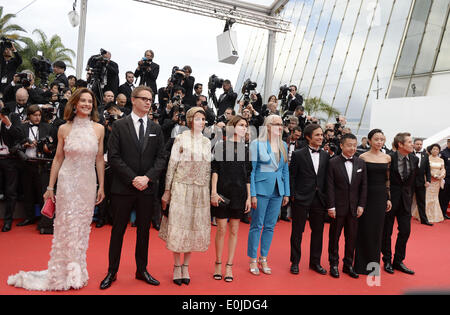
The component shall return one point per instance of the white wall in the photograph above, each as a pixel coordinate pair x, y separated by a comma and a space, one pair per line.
439, 84
421, 116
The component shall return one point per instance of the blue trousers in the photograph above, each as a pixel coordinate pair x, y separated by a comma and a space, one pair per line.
264, 218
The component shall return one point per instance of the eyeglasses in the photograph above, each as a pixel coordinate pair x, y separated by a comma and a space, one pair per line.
145, 99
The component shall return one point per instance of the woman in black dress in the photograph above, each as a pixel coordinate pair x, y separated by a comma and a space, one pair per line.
371, 223
230, 189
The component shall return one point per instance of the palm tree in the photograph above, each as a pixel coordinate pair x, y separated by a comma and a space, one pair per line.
9, 30
314, 106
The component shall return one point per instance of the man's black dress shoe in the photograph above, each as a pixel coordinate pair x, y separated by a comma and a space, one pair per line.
6, 227
245, 220
106, 283
446, 217
100, 223
388, 268
349, 270
145, 276
156, 226
426, 223
334, 271
26, 222
294, 269
318, 268
401, 267
285, 219
46, 231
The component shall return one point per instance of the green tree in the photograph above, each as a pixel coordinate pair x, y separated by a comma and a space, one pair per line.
315, 106
9, 30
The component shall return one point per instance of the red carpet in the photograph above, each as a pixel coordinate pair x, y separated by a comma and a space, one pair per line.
427, 254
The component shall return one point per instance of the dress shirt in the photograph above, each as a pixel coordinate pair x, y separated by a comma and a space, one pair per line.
137, 124
348, 167
33, 135
315, 157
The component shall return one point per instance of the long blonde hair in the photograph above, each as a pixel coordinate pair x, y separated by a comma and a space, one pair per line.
264, 135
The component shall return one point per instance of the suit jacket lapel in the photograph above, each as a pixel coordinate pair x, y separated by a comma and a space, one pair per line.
344, 169
146, 139
132, 131
309, 161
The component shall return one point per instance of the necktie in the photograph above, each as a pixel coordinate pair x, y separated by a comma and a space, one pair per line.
405, 169
141, 133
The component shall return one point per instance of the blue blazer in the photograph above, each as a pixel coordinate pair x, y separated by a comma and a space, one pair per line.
266, 171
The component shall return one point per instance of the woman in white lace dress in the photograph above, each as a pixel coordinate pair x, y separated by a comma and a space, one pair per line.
79, 153
188, 226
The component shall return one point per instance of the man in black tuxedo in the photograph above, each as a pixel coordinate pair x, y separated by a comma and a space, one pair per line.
9, 135
402, 176
226, 99
136, 156
112, 75
347, 196
34, 178
421, 184
127, 88
19, 106
308, 173
10, 60
148, 71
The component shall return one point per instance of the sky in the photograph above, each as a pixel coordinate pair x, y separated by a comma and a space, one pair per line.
127, 28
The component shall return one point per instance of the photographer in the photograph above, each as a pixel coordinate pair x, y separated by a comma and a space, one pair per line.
112, 74
148, 71
270, 109
171, 126
164, 96
127, 88
33, 174
198, 90
294, 99
254, 119
59, 68
103, 74
10, 60
9, 134
226, 99
203, 103
188, 85
289, 122
19, 106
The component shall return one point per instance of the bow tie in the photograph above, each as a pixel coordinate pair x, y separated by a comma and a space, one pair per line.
34, 125
348, 160
314, 150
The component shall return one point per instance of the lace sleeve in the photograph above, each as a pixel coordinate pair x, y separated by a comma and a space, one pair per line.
177, 149
388, 181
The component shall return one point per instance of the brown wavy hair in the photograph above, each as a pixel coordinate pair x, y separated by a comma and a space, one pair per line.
69, 111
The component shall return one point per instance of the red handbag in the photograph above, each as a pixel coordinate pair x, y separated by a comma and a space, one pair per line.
48, 209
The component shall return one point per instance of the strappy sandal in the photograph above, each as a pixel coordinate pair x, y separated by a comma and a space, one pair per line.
266, 270
228, 278
254, 271
217, 276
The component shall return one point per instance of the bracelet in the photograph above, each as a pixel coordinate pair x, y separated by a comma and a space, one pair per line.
50, 188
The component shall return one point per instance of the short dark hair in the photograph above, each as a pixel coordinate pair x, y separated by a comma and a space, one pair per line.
60, 64
232, 110
300, 107
179, 88
429, 148
197, 85
418, 139
328, 130
81, 83
292, 85
227, 81
33, 109
348, 136
72, 77
126, 73
310, 129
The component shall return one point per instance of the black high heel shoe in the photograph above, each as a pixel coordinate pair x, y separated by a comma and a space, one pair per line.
177, 281
228, 278
186, 280
218, 276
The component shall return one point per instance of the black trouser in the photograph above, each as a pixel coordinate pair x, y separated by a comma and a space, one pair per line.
284, 211
350, 225
105, 214
444, 197
420, 199
316, 222
34, 179
404, 230
11, 175
123, 205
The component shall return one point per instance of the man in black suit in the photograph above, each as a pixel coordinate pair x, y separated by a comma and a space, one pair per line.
112, 75
308, 173
347, 196
444, 194
34, 178
59, 68
136, 155
402, 176
226, 99
10, 60
148, 71
9, 135
19, 106
127, 88
421, 184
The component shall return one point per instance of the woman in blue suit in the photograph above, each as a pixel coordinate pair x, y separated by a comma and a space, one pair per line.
269, 189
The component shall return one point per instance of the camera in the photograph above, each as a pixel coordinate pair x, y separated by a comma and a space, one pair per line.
221, 118
5, 111
42, 68
97, 65
214, 83
246, 89
24, 81
110, 118
48, 113
145, 64
177, 76
48, 141
5, 43
19, 149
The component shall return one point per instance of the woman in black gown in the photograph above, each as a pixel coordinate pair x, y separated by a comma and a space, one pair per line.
371, 223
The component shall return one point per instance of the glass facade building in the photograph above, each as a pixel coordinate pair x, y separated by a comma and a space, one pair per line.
351, 52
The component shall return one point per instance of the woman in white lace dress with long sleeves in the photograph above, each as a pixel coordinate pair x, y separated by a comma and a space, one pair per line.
79, 153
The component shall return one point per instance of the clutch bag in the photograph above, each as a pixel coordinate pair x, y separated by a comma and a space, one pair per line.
48, 209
